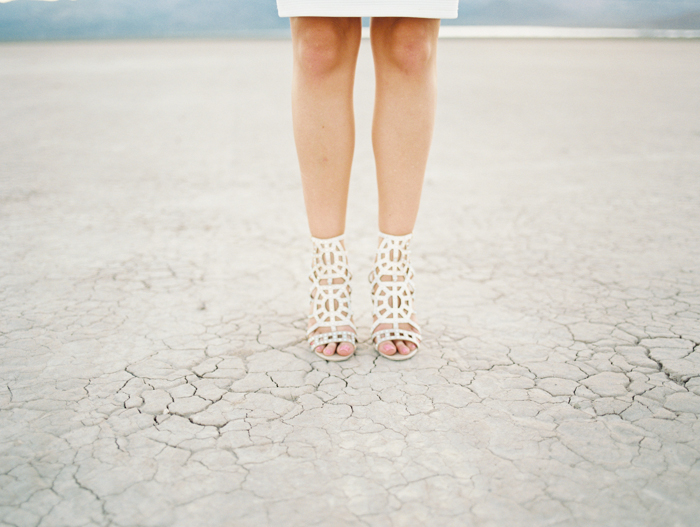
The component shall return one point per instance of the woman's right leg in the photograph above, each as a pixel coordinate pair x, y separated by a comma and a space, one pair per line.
325, 55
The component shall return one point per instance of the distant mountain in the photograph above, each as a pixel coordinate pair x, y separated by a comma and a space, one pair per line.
94, 19
686, 21
81, 19
669, 14
508, 12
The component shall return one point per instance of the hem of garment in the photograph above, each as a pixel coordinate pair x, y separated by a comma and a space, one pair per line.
368, 8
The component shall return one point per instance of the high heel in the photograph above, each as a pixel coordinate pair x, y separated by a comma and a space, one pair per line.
392, 294
330, 297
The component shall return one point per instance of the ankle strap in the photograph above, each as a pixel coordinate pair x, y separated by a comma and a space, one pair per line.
338, 238
402, 238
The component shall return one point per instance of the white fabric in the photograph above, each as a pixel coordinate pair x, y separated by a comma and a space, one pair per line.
369, 8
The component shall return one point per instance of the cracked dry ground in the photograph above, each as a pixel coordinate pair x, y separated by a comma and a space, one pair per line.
153, 290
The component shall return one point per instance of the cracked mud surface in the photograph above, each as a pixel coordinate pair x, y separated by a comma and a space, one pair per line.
153, 291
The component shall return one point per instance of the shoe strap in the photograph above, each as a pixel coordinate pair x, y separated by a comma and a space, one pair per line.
321, 339
392, 284
330, 301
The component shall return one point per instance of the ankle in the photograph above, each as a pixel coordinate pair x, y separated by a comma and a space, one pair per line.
394, 233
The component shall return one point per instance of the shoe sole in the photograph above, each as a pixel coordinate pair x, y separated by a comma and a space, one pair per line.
335, 357
398, 356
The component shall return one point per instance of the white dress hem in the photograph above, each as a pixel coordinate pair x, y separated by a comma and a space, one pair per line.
369, 8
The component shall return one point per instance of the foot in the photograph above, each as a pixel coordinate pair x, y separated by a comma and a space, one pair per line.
330, 310
344, 349
392, 299
392, 347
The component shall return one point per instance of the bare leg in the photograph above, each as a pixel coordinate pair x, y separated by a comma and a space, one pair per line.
404, 52
325, 55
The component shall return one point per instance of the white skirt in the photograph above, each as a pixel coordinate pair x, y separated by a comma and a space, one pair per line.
369, 8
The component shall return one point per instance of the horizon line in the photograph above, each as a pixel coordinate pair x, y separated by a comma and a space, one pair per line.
448, 31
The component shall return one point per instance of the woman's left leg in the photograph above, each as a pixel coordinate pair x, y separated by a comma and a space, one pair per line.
404, 51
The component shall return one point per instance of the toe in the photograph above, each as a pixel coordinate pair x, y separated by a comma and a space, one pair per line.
402, 348
345, 349
329, 349
387, 348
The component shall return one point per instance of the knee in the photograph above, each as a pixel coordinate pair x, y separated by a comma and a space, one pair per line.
321, 46
410, 46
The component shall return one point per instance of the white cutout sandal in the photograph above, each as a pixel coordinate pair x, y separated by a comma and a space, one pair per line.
330, 302
392, 294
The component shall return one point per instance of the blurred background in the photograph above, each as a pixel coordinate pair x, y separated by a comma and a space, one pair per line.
114, 19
